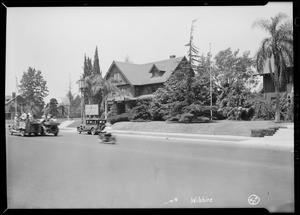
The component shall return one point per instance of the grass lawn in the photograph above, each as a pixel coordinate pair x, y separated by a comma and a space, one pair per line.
219, 127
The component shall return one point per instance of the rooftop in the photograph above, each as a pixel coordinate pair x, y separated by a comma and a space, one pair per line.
139, 74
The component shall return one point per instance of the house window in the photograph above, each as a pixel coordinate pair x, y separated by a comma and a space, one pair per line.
157, 73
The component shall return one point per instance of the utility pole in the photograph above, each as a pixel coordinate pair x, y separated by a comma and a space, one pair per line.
69, 96
210, 82
16, 104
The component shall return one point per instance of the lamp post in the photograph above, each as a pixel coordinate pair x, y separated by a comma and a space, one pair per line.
82, 87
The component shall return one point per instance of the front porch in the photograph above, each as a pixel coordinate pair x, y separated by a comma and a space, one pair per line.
124, 103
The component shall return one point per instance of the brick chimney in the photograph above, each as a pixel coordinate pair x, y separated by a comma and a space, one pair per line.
13, 95
172, 56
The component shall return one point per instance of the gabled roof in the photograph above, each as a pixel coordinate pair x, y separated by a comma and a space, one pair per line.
139, 74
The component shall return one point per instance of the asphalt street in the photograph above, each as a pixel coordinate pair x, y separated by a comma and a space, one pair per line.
75, 171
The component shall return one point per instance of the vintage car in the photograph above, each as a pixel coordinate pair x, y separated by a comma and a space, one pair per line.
36, 128
51, 127
92, 126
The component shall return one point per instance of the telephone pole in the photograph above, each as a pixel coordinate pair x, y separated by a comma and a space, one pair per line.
16, 104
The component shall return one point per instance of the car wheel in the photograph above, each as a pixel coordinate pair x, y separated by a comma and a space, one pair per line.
93, 131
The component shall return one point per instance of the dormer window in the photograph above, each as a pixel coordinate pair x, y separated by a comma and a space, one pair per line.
156, 72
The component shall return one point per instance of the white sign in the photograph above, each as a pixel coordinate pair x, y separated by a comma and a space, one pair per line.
91, 110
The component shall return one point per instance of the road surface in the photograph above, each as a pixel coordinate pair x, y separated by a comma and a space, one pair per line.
75, 171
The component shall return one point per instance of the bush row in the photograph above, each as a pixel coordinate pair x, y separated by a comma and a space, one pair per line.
256, 107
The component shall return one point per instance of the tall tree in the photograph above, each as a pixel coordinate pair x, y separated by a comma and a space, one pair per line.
87, 76
190, 66
192, 51
34, 89
279, 45
96, 65
232, 76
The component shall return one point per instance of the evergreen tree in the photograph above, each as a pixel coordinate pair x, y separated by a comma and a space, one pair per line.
190, 66
88, 75
96, 65
53, 107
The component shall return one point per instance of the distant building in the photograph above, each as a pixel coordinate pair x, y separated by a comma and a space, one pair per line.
268, 85
140, 80
10, 105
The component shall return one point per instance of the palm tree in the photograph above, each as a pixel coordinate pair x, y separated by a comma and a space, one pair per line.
99, 84
279, 46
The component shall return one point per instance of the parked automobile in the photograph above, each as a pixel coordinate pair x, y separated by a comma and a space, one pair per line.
92, 126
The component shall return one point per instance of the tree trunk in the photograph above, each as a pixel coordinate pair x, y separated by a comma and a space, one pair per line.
105, 109
277, 108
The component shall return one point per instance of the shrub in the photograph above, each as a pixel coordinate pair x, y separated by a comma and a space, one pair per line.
140, 120
187, 117
141, 110
286, 109
157, 111
262, 132
174, 119
120, 118
263, 108
203, 119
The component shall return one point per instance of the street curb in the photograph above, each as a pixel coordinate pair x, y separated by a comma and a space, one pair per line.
252, 142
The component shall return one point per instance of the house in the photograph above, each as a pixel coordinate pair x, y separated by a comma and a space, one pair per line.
10, 105
268, 88
139, 80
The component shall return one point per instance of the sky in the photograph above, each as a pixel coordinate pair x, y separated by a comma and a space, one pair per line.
55, 40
